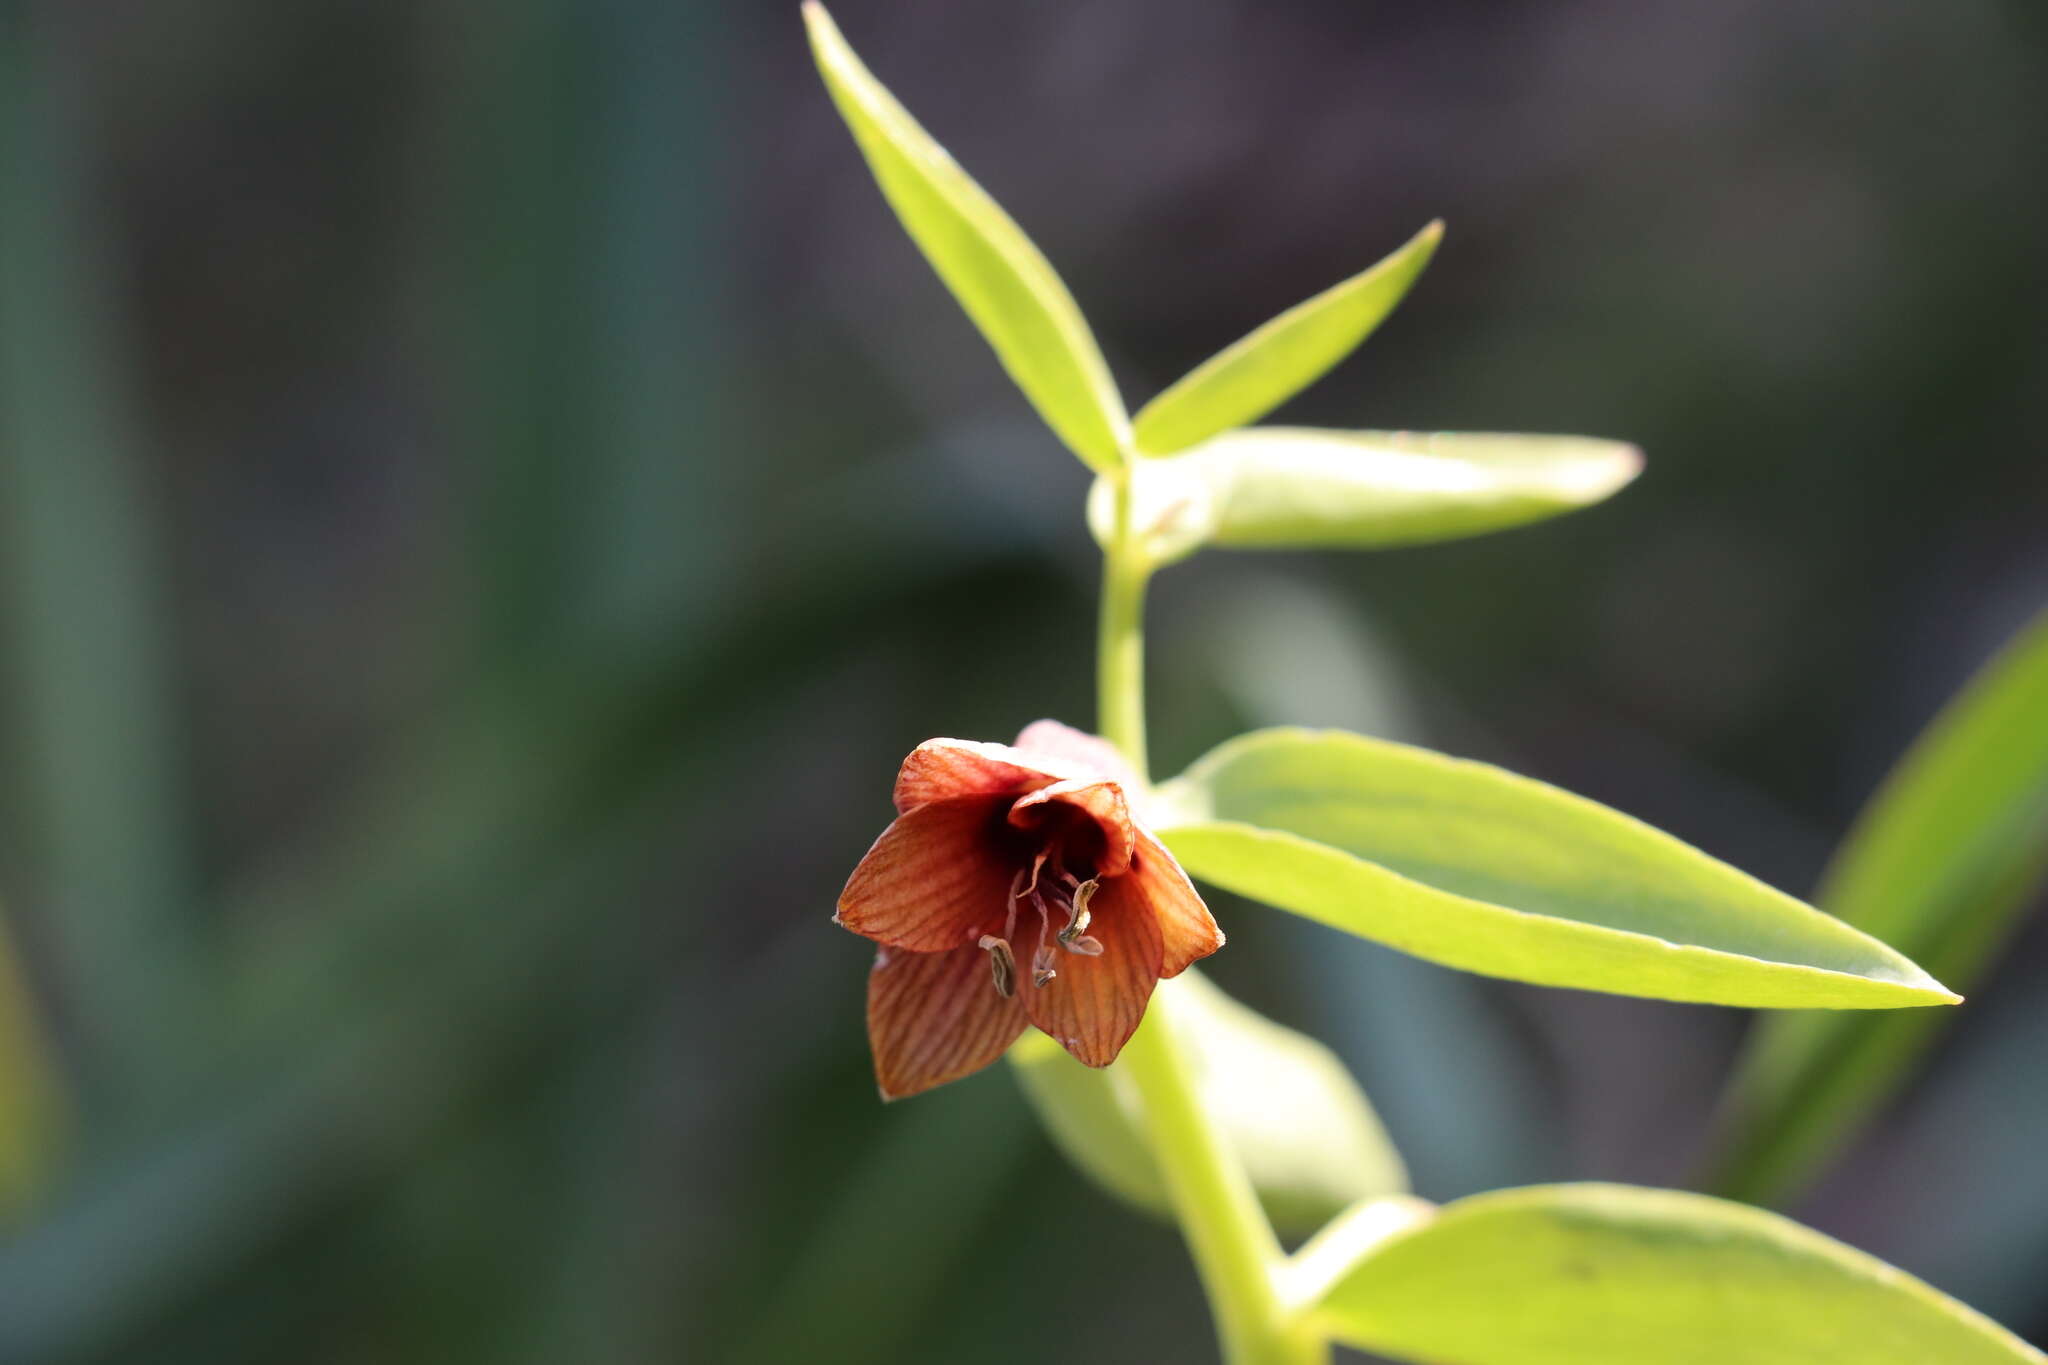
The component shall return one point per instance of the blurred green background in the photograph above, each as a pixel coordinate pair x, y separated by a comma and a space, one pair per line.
488, 494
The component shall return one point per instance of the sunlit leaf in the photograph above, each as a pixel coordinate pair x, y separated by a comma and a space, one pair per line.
1610, 1275
1304, 488
1476, 868
1256, 374
1941, 862
1001, 279
1309, 1139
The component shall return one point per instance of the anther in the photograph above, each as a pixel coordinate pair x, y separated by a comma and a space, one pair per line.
1086, 946
1002, 965
1077, 914
1041, 967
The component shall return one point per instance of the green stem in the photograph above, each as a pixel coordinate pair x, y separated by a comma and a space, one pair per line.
1235, 1251
1120, 640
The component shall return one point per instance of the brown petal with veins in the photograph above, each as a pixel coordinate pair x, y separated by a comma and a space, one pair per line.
1099, 801
1187, 929
935, 1017
1093, 1006
933, 879
949, 769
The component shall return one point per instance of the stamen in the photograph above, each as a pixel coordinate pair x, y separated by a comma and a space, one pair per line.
1077, 914
1086, 946
1041, 967
1037, 865
1010, 918
1002, 965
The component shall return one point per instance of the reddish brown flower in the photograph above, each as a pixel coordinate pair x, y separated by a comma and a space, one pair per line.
1015, 886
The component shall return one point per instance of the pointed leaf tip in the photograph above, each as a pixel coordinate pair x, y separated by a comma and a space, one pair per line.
1263, 369
1476, 868
1001, 279
1305, 488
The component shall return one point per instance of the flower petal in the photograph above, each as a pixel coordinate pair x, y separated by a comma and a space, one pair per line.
948, 769
1093, 1006
1076, 753
935, 1017
1186, 927
1098, 800
935, 878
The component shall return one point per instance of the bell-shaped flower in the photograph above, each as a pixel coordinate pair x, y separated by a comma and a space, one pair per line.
1016, 886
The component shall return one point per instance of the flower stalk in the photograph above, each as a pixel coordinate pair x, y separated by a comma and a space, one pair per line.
1236, 1253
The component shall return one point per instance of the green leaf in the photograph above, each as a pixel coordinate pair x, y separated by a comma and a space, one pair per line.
1309, 1139
1479, 869
1941, 862
1001, 279
1304, 488
1590, 1274
1250, 378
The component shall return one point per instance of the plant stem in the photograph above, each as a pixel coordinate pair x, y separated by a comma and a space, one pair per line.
1120, 640
1235, 1251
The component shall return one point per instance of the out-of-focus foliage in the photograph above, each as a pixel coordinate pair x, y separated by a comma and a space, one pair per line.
503, 498
29, 1113
1309, 1140
1949, 852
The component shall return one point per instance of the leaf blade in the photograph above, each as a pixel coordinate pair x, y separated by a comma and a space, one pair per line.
1263, 369
1943, 859
1003, 281
1295, 488
1585, 1274
1307, 1134
1476, 868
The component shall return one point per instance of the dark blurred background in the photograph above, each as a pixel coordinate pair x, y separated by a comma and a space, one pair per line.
488, 494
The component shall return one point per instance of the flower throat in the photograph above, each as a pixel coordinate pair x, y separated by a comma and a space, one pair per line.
1049, 891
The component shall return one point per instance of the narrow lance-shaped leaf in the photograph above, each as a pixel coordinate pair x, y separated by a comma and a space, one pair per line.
1309, 1140
1941, 862
1268, 488
1250, 378
1001, 279
1476, 868
1610, 1275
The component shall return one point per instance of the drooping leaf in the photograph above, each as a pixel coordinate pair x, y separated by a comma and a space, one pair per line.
1309, 1139
1941, 862
1303, 488
1001, 279
1476, 868
1611, 1275
1277, 360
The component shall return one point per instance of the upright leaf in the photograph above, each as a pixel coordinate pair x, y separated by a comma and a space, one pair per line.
1610, 1275
1941, 862
1479, 869
1297, 1119
1001, 279
1250, 378
1296, 488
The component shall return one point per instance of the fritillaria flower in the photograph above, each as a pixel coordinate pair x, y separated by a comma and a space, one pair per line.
1015, 887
